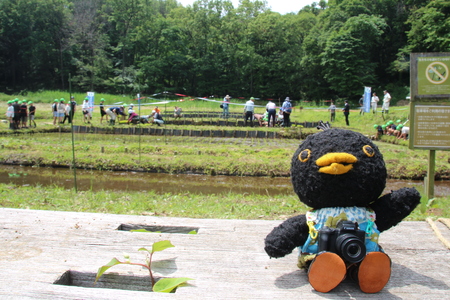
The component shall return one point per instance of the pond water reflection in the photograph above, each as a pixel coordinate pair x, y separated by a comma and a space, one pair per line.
166, 183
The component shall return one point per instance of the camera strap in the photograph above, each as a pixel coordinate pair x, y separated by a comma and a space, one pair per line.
312, 236
313, 232
369, 227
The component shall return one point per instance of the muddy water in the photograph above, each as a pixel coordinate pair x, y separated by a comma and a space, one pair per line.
166, 183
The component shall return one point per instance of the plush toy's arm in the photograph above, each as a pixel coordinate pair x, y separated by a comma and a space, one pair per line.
290, 234
394, 207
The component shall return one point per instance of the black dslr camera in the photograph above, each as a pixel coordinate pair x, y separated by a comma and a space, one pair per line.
346, 240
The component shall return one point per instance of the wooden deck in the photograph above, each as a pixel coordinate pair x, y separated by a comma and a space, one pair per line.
226, 258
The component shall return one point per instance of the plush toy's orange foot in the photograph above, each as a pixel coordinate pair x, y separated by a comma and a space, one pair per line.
374, 272
326, 271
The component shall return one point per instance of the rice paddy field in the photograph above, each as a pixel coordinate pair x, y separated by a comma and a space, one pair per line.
50, 145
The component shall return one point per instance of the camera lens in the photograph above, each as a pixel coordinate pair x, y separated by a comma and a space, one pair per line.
350, 248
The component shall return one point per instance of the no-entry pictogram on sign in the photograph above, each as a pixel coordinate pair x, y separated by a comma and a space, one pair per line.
433, 75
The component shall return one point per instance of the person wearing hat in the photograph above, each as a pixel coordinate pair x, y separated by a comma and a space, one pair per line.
248, 111
390, 128
16, 118
287, 109
23, 113
86, 111
224, 106
10, 114
398, 131
61, 110
55, 111
122, 111
103, 111
157, 118
132, 114
133, 117
31, 113
113, 112
380, 131
130, 109
156, 109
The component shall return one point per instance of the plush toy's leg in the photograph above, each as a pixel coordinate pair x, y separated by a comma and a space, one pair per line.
374, 272
326, 271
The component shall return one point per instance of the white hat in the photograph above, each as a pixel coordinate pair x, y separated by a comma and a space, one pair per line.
227, 96
287, 99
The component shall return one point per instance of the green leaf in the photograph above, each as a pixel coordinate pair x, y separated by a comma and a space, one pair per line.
161, 245
103, 269
423, 204
140, 230
144, 230
166, 285
144, 249
192, 232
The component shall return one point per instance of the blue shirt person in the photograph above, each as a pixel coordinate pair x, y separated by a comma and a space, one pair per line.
287, 110
225, 102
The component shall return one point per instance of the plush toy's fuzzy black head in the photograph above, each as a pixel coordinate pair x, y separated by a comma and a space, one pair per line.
338, 167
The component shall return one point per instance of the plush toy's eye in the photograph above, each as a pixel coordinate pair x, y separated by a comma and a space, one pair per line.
304, 155
368, 150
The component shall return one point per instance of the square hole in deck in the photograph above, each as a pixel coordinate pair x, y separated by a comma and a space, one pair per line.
162, 229
107, 281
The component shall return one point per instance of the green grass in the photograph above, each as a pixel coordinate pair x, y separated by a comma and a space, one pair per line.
217, 206
180, 154
170, 154
229, 206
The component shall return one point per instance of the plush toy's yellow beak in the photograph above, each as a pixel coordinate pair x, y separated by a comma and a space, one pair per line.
336, 163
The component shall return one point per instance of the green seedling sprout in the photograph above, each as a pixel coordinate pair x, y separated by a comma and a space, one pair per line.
17, 174
164, 285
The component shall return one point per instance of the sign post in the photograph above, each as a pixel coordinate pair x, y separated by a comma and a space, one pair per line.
430, 108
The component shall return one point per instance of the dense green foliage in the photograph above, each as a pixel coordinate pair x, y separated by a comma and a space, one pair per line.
327, 50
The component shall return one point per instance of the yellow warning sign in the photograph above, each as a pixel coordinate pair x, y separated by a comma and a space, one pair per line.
433, 75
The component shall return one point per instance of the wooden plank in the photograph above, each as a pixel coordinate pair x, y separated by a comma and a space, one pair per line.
226, 258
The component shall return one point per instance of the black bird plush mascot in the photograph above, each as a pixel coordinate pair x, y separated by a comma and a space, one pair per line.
341, 174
